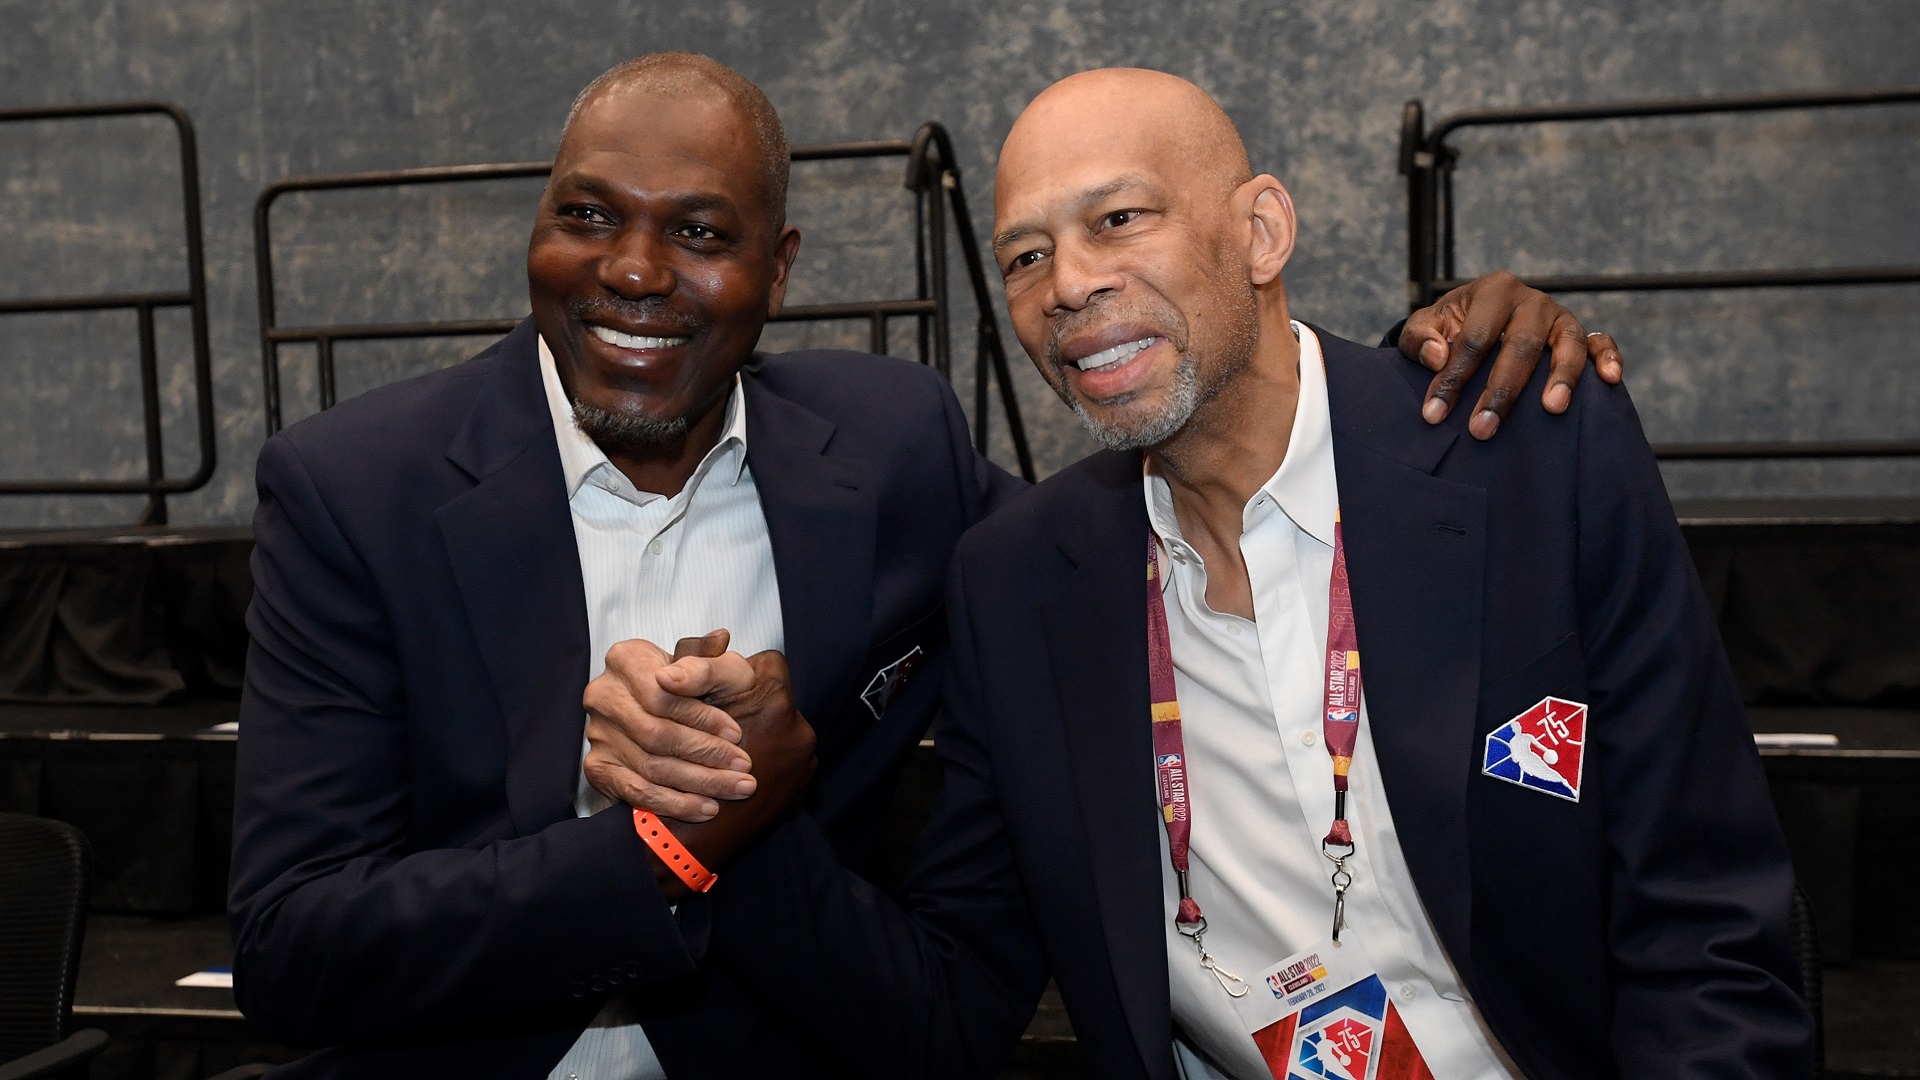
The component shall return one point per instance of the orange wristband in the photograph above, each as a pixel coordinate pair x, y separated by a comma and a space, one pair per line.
678, 859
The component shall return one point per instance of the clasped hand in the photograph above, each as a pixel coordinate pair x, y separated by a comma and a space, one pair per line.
706, 737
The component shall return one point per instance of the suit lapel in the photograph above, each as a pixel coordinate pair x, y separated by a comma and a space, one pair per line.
511, 545
1416, 551
1096, 632
822, 512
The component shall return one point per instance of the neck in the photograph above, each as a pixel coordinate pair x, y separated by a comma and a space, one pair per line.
1236, 440
665, 470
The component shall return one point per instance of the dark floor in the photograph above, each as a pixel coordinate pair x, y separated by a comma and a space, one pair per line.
1873, 1019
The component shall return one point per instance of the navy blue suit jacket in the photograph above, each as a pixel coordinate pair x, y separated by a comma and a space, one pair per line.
409, 879
1641, 931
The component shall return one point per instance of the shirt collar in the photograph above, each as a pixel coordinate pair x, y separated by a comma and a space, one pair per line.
1304, 486
581, 457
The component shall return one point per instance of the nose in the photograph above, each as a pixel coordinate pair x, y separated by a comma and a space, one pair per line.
639, 266
1080, 276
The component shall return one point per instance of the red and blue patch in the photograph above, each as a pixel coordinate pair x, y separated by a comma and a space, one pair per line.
1542, 748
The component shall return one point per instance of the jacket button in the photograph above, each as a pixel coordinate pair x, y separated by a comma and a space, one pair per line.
576, 989
597, 984
633, 970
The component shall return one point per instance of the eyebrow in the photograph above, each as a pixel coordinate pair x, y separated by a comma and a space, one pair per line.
687, 202
1087, 198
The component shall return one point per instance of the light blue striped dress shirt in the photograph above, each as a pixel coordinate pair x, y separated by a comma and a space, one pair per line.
660, 569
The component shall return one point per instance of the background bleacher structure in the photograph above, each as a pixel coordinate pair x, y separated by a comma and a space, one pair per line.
121, 646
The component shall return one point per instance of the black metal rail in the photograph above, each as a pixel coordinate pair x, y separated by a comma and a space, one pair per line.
156, 486
933, 175
1427, 161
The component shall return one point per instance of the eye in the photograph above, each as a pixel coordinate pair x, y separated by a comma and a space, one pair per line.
585, 214
1118, 218
699, 233
1024, 260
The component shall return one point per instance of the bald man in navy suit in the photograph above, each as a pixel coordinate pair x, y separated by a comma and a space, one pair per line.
1229, 747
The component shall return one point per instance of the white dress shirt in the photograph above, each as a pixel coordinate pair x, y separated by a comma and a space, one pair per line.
659, 569
1261, 781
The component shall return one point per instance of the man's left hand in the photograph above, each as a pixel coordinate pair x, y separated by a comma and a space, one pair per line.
1454, 336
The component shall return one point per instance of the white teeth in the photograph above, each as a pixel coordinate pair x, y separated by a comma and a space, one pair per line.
1117, 354
633, 341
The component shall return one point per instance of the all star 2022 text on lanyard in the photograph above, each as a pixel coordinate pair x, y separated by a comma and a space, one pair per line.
1341, 725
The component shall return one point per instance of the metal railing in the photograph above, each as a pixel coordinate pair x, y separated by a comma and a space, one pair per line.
1428, 163
156, 486
932, 174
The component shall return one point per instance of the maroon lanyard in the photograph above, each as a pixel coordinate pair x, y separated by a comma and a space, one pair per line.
1340, 724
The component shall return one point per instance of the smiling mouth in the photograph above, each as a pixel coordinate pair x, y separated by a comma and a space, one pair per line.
634, 341
1119, 354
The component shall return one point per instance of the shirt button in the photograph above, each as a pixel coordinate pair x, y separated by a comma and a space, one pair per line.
1308, 738
655, 547
1407, 991
1234, 629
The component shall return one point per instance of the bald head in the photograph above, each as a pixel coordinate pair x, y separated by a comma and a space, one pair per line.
692, 76
1153, 113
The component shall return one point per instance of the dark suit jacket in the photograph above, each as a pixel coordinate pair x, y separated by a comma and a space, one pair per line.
1639, 932
409, 877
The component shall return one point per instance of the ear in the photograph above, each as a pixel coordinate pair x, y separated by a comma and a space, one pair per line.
1270, 235
785, 250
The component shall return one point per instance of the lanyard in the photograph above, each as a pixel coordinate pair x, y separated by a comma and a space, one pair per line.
1340, 727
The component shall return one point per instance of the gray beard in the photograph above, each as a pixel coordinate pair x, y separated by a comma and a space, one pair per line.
628, 433
1182, 401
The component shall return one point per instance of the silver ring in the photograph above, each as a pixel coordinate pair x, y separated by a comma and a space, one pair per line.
1597, 333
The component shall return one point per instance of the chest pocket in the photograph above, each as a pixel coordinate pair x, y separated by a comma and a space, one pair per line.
1560, 672
891, 665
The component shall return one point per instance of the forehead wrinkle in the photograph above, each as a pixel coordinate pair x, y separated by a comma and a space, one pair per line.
1085, 201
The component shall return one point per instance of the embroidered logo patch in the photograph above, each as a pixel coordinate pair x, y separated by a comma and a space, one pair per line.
889, 681
1542, 748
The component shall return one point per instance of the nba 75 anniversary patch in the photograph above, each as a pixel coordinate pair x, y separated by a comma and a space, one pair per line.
1542, 748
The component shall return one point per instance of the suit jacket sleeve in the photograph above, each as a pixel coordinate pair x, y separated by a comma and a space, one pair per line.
1706, 985
938, 984
344, 930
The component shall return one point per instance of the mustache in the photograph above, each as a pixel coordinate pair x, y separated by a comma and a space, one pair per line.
655, 310
1165, 321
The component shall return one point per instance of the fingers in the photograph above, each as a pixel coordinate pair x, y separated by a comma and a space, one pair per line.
1487, 305
1424, 338
712, 643
724, 676
693, 779
615, 768
1568, 340
1524, 338
667, 724
692, 730
621, 768
1606, 357
635, 656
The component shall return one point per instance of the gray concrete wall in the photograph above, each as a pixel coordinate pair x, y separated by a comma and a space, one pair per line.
280, 88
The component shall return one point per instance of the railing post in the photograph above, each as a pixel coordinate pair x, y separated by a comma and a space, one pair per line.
156, 512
